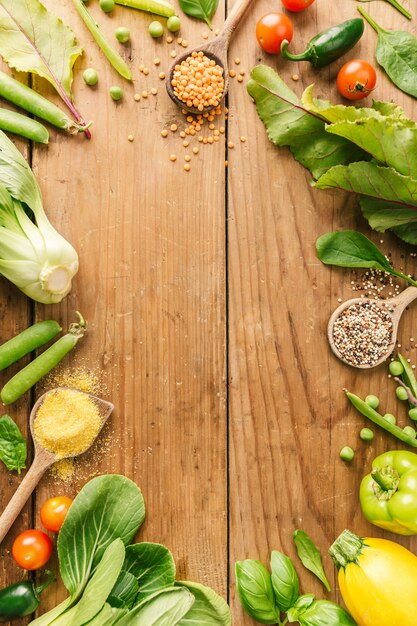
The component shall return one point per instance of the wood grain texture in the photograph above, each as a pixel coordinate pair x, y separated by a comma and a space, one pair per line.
206, 303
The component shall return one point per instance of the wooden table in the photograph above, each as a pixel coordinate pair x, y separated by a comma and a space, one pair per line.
207, 309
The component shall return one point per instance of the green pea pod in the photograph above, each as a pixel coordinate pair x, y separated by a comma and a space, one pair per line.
27, 341
254, 587
329, 45
19, 124
380, 420
407, 376
324, 613
284, 580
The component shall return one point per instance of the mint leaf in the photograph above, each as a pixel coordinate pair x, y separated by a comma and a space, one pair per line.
12, 445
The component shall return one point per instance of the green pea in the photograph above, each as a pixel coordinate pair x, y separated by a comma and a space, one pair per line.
372, 401
413, 413
390, 418
122, 34
173, 24
401, 393
409, 430
116, 93
156, 29
395, 368
366, 434
107, 5
90, 76
346, 454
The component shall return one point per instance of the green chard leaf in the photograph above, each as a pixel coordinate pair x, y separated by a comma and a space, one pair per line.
381, 216
209, 609
284, 580
13, 448
256, 594
200, 9
35, 40
396, 52
288, 123
310, 556
153, 566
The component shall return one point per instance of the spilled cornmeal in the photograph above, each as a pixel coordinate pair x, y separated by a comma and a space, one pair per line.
67, 422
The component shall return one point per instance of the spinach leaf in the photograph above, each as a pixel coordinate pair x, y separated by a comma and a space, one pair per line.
100, 584
323, 613
396, 52
209, 609
124, 591
164, 608
152, 565
289, 124
254, 587
200, 9
309, 553
372, 180
284, 580
13, 448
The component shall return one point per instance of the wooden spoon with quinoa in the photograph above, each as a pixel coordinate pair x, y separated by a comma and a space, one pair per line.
64, 423
199, 82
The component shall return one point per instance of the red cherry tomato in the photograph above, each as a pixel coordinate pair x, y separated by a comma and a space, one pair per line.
32, 549
271, 30
54, 511
356, 79
297, 5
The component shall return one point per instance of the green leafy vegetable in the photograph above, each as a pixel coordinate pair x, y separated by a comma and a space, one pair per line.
299, 607
159, 7
165, 608
254, 587
124, 591
209, 609
396, 5
34, 40
12, 445
310, 556
110, 53
324, 613
396, 52
33, 255
284, 580
200, 9
152, 565
289, 124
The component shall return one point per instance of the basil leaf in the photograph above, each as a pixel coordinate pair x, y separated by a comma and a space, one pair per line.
254, 587
300, 606
209, 609
310, 555
396, 52
324, 613
288, 123
152, 565
13, 448
200, 9
284, 580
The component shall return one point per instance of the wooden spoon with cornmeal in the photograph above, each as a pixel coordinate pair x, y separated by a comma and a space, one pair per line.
64, 423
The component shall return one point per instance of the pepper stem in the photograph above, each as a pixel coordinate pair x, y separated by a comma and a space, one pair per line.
304, 56
346, 549
370, 21
387, 478
48, 581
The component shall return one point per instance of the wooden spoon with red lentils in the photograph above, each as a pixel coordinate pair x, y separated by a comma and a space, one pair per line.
198, 81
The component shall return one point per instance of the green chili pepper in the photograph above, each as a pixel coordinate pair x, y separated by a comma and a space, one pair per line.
21, 599
380, 420
387, 495
328, 45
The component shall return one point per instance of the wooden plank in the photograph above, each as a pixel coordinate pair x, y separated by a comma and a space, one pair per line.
288, 414
152, 286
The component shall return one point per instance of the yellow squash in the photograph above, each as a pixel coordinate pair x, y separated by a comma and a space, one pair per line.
377, 579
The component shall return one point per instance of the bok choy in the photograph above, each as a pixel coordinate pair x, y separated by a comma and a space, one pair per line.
33, 256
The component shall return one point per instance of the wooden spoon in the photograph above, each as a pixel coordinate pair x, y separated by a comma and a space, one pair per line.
394, 306
42, 461
215, 49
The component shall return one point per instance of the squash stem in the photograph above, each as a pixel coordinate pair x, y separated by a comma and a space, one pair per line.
346, 549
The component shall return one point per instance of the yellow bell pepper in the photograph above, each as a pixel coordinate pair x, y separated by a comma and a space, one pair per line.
377, 579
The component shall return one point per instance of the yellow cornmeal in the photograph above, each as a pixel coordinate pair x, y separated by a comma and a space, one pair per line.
82, 378
67, 422
64, 470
